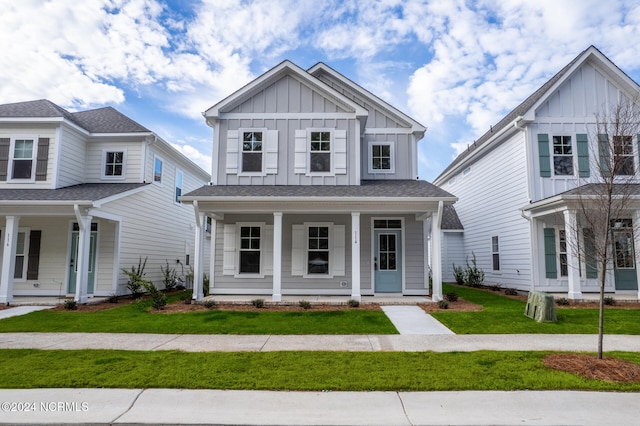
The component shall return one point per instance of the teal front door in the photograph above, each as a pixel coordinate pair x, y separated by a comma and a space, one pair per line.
73, 258
387, 261
624, 261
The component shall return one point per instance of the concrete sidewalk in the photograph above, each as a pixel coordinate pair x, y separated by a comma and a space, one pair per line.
221, 407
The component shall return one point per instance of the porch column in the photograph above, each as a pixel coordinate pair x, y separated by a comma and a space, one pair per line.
212, 254
355, 256
84, 244
636, 245
436, 254
198, 255
9, 259
277, 257
573, 263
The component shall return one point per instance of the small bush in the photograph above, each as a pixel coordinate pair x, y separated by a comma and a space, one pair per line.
136, 282
609, 301
113, 298
353, 303
451, 297
205, 284
443, 304
258, 303
304, 304
563, 301
210, 304
70, 305
510, 292
170, 277
458, 274
495, 287
473, 276
186, 298
158, 297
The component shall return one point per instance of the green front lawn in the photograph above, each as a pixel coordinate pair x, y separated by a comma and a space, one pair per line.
503, 315
307, 371
137, 318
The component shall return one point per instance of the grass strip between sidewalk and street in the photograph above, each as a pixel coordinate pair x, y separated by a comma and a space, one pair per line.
306, 371
504, 315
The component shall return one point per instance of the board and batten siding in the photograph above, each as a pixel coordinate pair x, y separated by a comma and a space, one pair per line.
490, 196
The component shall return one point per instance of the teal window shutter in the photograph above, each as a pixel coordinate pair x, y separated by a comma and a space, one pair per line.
583, 155
589, 249
543, 153
550, 264
605, 155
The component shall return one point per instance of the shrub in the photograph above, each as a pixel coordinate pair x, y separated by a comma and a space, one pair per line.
609, 301
443, 304
451, 297
170, 277
113, 298
205, 284
70, 305
258, 303
353, 303
210, 304
473, 276
563, 301
136, 282
304, 304
158, 297
495, 287
458, 274
510, 292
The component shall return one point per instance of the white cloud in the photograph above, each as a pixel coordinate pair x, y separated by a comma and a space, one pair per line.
195, 155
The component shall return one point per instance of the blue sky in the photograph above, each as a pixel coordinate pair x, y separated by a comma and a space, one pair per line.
456, 66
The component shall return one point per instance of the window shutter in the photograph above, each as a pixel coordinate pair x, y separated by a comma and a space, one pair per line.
5, 143
267, 250
297, 250
338, 251
42, 159
340, 151
550, 264
543, 153
583, 155
271, 160
300, 160
232, 151
605, 155
229, 250
591, 266
34, 255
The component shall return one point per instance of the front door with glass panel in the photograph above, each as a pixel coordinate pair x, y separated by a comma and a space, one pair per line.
388, 261
624, 255
73, 258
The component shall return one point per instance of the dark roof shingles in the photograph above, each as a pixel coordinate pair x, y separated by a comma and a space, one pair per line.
83, 192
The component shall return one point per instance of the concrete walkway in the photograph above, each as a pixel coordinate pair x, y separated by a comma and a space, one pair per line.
20, 310
411, 320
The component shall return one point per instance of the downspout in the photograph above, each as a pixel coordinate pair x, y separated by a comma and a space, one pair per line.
148, 141
533, 257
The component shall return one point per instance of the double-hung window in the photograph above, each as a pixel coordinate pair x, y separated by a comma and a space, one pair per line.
252, 150
622, 230
381, 157
113, 164
320, 152
562, 252
178, 188
23, 158
623, 156
318, 250
157, 170
495, 253
250, 249
562, 156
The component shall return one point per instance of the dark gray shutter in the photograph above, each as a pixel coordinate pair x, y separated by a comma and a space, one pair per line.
605, 155
583, 155
5, 143
42, 159
34, 255
543, 153
550, 264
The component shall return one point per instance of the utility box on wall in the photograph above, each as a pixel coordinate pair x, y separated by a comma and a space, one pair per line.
541, 307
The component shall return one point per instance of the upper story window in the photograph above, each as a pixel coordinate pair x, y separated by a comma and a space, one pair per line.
252, 152
562, 156
157, 170
320, 152
381, 157
178, 192
113, 164
22, 159
623, 152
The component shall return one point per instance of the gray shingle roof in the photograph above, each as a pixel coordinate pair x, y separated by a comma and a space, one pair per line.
450, 219
100, 120
630, 189
367, 188
83, 192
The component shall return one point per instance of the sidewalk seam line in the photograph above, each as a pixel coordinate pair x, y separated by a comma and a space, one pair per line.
128, 408
265, 343
404, 409
175, 336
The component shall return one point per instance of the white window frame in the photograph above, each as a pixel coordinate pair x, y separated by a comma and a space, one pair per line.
263, 152
239, 226
622, 228
572, 145
330, 249
630, 155
495, 252
563, 252
34, 157
331, 151
25, 254
180, 174
157, 159
392, 157
103, 164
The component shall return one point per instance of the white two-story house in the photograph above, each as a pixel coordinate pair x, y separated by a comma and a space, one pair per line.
84, 195
518, 187
315, 191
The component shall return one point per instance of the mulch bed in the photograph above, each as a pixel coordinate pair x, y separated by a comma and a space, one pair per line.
590, 367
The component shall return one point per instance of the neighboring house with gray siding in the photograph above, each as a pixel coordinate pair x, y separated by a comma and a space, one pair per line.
315, 191
85, 194
517, 186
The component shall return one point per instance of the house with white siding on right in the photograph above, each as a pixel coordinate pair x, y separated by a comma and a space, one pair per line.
517, 187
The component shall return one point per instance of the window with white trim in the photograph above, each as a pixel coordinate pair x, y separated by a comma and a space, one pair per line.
622, 230
114, 163
157, 170
318, 250
562, 252
495, 253
319, 151
178, 186
623, 155
381, 156
562, 156
250, 250
22, 161
252, 152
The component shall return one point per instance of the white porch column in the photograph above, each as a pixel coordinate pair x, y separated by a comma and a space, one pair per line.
212, 254
436, 254
535, 247
636, 245
355, 256
9, 259
198, 254
84, 247
573, 259
277, 257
